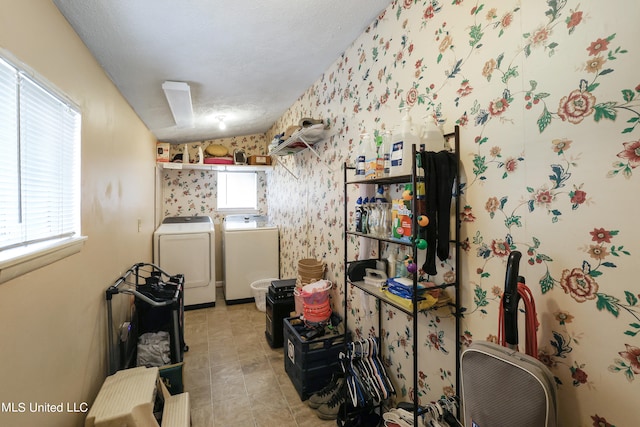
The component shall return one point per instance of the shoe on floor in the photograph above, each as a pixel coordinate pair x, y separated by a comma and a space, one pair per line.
325, 395
329, 410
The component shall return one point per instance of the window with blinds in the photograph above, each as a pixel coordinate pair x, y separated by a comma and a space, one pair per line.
40, 162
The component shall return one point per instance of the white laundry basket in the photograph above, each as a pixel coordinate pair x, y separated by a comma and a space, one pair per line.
259, 289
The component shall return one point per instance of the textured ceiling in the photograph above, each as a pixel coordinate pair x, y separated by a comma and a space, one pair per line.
248, 60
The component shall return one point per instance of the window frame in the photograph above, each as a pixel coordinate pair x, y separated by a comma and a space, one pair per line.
228, 210
22, 258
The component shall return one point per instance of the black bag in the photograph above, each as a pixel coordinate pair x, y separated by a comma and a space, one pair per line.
357, 417
356, 270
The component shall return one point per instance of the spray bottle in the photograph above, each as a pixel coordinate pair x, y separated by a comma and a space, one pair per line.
364, 217
358, 215
379, 156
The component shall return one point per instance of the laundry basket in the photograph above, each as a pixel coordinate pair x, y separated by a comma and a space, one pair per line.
259, 289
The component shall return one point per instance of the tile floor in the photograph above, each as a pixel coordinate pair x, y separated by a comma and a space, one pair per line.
234, 377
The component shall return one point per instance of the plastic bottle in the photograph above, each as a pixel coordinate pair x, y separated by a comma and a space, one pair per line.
360, 160
401, 269
386, 149
391, 265
364, 217
358, 215
379, 156
380, 194
370, 156
185, 154
200, 156
400, 153
432, 136
421, 202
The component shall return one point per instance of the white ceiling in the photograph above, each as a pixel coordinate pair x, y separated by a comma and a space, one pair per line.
248, 60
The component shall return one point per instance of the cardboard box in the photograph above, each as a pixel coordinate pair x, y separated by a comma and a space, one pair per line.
259, 160
162, 152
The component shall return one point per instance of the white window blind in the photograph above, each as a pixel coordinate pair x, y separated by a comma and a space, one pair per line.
237, 190
40, 163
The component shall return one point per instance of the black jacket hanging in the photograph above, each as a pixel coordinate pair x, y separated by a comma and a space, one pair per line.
440, 171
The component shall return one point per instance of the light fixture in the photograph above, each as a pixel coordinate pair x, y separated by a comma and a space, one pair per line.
179, 98
221, 124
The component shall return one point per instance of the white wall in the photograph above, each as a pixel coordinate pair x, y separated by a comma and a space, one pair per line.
53, 320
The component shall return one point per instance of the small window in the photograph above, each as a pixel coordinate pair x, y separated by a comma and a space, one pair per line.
39, 169
237, 191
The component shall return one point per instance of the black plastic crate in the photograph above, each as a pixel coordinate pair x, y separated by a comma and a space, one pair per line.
310, 363
309, 381
276, 312
282, 289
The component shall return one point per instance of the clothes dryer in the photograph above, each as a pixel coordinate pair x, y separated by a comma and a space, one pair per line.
186, 245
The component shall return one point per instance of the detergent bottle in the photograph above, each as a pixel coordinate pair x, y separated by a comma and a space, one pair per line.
432, 135
401, 143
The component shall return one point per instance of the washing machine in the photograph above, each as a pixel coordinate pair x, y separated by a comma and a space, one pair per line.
251, 252
186, 245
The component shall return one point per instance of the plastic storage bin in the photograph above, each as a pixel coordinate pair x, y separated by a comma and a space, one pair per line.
259, 289
310, 362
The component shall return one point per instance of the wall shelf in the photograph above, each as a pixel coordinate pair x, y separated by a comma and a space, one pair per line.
299, 141
212, 167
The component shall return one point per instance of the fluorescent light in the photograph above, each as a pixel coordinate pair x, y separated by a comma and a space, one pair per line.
179, 97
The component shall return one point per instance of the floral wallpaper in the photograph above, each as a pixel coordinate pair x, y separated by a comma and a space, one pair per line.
547, 96
193, 192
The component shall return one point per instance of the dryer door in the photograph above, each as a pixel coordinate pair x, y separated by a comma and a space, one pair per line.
189, 254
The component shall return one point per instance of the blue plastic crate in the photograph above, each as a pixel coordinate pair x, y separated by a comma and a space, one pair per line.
310, 363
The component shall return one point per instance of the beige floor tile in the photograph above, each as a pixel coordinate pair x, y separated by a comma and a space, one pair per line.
226, 372
196, 359
232, 411
232, 374
195, 316
196, 378
200, 397
230, 389
274, 417
202, 417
